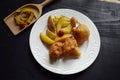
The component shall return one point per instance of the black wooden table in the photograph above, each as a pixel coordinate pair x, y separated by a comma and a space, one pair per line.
16, 59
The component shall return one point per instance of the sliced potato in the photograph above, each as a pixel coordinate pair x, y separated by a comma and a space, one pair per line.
74, 22
67, 19
46, 39
56, 19
67, 30
50, 34
62, 39
51, 24
65, 24
59, 24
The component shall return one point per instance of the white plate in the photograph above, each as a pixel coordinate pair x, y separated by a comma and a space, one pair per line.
89, 49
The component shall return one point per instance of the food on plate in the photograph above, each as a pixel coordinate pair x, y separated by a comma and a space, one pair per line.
65, 48
50, 34
59, 24
51, 24
46, 39
74, 22
70, 47
62, 39
56, 50
65, 23
67, 30
62, 22
61, 33
64, 36
81, 33
24, 17
76, 52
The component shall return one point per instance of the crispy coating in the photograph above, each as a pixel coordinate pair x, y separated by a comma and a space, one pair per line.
76, 52
81, 33
70, 47
66, 48
56, 50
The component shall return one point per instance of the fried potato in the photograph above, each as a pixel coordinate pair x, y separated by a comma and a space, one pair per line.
59, 24
62, 39
56, 19
50, 34
51, 24
46, 39
67, 30
74, 22
65, 23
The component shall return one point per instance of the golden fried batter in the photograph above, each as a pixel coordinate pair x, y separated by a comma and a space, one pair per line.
56, 50
76, 52
81, 33
70, 47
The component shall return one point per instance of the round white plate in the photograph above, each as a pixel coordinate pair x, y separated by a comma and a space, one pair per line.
89, 49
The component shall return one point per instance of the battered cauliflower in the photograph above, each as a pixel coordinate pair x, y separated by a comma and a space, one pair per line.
81, 33
70, 47
66, 48
56, 50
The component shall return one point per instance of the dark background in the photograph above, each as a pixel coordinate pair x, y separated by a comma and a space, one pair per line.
17, 62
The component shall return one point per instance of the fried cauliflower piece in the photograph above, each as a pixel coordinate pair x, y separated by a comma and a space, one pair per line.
81, 33
66, 48
70, 47
56, 50
76, 52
